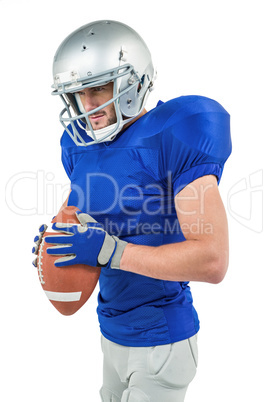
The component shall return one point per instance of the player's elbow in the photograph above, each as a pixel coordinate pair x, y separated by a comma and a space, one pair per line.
218, 266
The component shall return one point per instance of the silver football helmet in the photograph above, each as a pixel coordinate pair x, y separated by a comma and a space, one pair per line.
92, 56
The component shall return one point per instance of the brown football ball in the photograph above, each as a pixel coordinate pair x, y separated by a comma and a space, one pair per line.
67, 288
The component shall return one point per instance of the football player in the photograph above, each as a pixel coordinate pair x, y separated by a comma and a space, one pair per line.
146, 183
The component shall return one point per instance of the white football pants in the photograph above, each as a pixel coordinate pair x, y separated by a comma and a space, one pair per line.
148, 374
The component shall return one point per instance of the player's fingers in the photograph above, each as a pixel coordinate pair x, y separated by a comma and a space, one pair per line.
60, 250
42, 228
58, 239
38, 238
65, 261
68, 228
35, 249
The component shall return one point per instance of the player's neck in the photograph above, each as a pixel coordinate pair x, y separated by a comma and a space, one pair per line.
142, 113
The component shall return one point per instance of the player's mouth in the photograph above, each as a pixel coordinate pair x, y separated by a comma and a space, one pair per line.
96, 117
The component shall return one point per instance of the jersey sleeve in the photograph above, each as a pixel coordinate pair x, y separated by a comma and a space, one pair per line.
196, 140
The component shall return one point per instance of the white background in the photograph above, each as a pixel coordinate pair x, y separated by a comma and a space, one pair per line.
212, 48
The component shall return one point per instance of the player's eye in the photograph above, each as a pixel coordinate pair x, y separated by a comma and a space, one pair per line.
98, 89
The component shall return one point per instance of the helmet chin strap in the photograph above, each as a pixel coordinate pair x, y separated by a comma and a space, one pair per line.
103, 134
106, 133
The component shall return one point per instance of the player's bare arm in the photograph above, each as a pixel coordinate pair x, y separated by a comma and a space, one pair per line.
203, 256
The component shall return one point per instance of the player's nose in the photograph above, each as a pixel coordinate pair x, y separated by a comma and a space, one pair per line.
89, 102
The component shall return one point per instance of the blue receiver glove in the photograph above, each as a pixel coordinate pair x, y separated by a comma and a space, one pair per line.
85, 243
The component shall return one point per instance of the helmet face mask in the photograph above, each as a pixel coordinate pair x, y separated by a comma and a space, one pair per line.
93, 56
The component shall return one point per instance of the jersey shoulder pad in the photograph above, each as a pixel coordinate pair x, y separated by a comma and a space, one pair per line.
201, 123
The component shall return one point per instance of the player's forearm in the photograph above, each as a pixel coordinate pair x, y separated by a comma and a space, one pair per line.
191, 260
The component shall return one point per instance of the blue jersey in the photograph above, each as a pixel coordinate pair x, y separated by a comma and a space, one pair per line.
129, 185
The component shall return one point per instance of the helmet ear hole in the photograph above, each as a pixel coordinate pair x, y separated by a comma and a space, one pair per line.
140, 84
129, 104
133, 101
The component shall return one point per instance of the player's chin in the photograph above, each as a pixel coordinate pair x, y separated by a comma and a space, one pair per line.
98, 125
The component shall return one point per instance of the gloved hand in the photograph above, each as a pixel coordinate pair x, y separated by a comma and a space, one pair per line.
87, 243
37, 241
